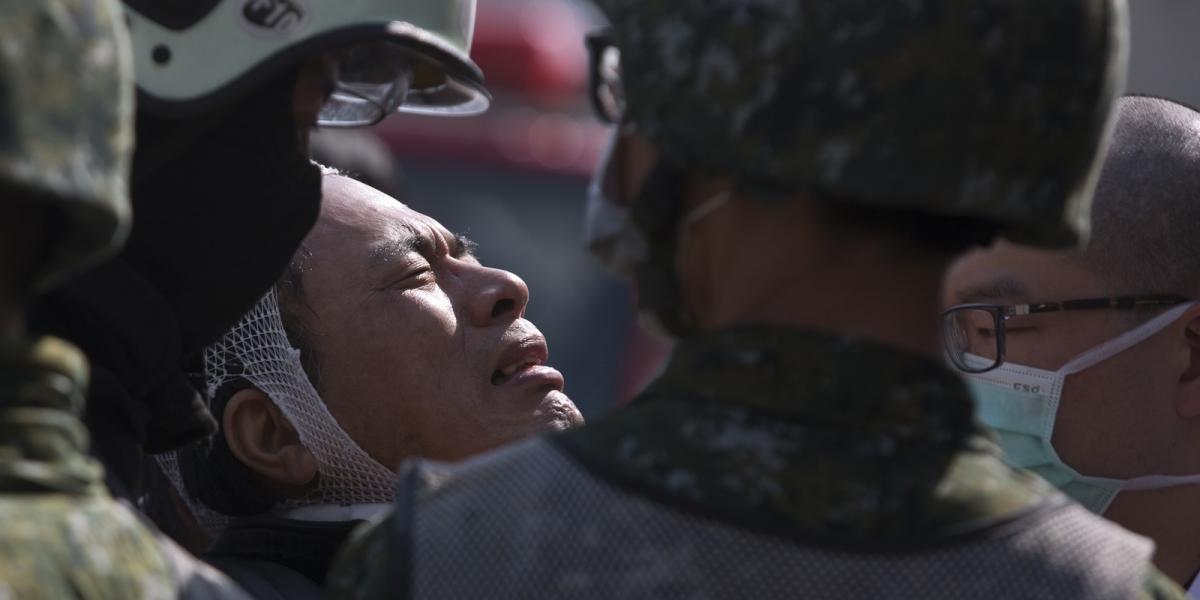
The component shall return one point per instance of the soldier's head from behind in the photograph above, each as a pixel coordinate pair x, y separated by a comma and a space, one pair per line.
803, 159
66, 112
1129, 405
386, 340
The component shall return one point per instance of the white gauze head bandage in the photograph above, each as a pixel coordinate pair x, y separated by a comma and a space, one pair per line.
257, 350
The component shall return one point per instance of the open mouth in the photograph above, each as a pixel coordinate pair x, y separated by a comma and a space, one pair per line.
502, 376
524, 363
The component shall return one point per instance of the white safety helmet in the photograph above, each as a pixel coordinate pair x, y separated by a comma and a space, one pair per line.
407, 55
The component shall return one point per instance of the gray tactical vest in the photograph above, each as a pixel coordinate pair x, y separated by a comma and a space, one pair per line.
530, 522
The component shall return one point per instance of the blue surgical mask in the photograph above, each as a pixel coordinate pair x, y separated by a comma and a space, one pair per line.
1021, 403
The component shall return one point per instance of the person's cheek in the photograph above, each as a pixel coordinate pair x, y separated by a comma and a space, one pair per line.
437, 337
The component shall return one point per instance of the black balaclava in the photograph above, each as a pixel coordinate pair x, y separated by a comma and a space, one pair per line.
220, 203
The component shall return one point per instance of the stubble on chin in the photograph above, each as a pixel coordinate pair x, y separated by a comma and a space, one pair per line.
558, 413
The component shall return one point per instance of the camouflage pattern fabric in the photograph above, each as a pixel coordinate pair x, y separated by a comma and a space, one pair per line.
993, 110
66, 121
778, 431
891, 460
63, 535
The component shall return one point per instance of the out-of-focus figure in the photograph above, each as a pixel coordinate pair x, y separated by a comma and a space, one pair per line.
224, 191
789, 182
385, 340
1084, 361
66, 134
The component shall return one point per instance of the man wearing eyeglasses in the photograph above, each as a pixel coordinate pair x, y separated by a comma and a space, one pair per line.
1086, 362
788, 184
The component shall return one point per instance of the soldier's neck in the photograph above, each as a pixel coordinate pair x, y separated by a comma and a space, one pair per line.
890, 301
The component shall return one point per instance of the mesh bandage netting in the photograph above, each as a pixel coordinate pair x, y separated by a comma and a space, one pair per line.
257, 350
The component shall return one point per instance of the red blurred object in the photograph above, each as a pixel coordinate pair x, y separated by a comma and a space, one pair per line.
535, 62
534, 47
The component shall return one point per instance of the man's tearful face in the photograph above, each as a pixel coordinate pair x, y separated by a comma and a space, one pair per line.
421, 351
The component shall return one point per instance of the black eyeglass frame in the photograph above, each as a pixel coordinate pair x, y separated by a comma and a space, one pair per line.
1002, 312
597, 42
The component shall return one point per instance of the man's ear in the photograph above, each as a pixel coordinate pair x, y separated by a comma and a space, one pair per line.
263, 439
1187, 403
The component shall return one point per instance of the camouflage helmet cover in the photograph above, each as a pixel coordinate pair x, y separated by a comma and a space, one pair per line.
66, 121
994, 109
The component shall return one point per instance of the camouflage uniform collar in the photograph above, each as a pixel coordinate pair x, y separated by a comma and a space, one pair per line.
831, 440
43, 444
824, 377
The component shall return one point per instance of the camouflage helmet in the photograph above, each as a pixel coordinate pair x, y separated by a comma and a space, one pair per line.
66, 121
993, 110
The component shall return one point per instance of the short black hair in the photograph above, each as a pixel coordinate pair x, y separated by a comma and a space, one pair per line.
295, 312
1147, 201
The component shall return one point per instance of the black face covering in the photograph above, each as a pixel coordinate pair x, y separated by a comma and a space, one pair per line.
215, 225
220, 204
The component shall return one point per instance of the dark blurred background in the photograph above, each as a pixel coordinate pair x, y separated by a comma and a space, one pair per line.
1165, 61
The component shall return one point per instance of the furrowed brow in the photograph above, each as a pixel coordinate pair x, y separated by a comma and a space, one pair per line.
410, 240
463, 246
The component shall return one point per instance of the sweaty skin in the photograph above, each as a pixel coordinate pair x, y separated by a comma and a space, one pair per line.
417, 341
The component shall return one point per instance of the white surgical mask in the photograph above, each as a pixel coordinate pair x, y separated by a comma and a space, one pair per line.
1021, 403
608, 227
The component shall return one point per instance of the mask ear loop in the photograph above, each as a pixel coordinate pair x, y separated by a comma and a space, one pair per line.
1124, 341
706, 208
1111, 348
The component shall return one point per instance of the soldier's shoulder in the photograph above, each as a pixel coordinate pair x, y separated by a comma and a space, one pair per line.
374, 560
110, 553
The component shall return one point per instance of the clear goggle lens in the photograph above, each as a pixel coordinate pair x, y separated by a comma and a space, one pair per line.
373, 81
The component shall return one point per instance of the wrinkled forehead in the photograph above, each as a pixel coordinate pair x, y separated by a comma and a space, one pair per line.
356, 212
1011, 274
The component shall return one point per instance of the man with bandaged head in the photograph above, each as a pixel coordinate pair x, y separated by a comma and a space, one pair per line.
789, 183
66, 133
223, 189
385, 340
